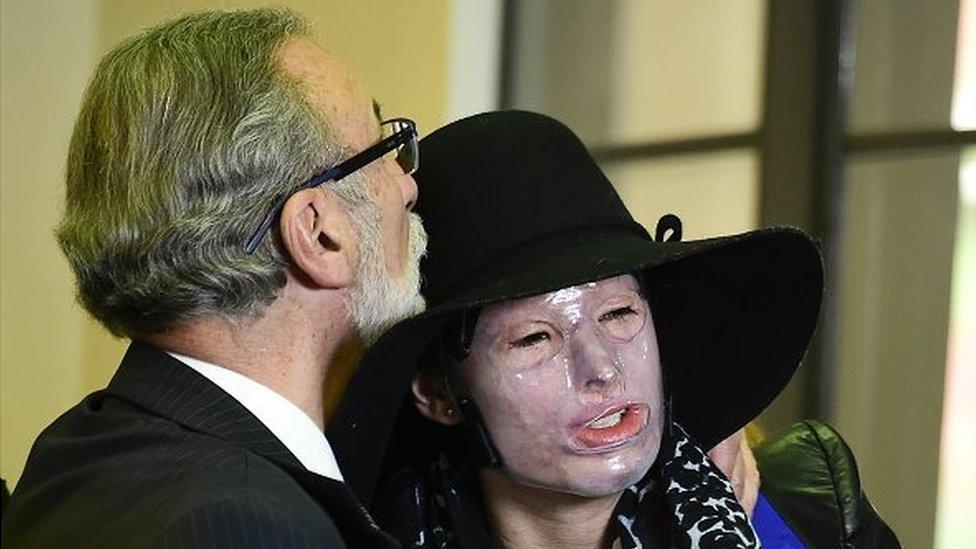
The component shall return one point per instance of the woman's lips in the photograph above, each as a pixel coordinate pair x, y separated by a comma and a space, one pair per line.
611, 429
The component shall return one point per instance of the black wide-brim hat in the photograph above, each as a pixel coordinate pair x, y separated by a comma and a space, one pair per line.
515, 206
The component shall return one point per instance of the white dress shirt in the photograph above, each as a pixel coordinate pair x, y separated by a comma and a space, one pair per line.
287, 422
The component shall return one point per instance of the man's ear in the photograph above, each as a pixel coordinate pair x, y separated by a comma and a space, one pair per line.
317, 233
433, 400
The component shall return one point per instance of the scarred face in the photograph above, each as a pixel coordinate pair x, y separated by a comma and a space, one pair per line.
569, 386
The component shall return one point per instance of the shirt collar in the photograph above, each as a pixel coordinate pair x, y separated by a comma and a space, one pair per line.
287, 422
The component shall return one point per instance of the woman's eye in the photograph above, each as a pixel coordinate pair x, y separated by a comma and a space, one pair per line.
618, 314
531, 339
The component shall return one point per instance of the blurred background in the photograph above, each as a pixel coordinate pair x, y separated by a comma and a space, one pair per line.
852, 119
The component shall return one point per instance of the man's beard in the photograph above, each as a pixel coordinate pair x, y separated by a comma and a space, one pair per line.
378, 300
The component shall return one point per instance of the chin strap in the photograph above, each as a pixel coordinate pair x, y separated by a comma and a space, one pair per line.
457, 337
481, 449
456, 344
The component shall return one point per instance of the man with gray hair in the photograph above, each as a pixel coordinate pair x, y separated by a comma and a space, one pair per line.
237, 207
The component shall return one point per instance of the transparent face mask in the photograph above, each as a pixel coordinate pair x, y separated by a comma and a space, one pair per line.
569, 386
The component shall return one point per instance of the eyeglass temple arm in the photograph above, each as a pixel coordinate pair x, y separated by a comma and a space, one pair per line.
334, 174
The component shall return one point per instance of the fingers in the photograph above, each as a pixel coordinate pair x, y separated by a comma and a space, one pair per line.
734, 458
746, 478
726, 453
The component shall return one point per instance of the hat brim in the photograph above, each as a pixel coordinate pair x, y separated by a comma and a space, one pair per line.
733, 316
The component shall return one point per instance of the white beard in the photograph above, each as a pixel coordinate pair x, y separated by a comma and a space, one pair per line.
377, 300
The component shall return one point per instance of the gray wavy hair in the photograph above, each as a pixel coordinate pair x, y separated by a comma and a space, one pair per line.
186, 134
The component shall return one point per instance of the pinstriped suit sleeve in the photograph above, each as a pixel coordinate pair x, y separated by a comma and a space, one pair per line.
245, 524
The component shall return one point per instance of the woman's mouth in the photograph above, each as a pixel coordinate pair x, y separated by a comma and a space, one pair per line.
612, 429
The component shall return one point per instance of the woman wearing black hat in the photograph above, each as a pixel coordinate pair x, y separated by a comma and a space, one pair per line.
570, 370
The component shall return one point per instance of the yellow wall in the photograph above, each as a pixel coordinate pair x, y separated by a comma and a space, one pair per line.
42, 331
51, 354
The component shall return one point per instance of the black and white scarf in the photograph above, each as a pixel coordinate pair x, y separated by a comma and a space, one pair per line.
686, 502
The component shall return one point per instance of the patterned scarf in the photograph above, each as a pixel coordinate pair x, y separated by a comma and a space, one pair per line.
685, 503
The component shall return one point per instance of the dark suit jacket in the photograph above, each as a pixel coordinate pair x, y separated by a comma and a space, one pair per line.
164, 458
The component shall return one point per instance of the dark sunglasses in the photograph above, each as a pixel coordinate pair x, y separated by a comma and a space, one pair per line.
402, 139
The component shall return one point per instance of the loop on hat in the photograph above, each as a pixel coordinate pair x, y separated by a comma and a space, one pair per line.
668, 222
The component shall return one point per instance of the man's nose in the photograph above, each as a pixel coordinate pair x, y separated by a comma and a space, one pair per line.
408, 186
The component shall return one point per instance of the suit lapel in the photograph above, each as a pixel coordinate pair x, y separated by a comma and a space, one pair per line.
355, 523
164, 386
161, 384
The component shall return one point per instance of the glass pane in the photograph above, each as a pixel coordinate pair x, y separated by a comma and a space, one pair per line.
905, 65
622, 71
713, 194
899, 221
957, 484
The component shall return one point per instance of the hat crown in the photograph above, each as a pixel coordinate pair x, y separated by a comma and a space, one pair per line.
495, 182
